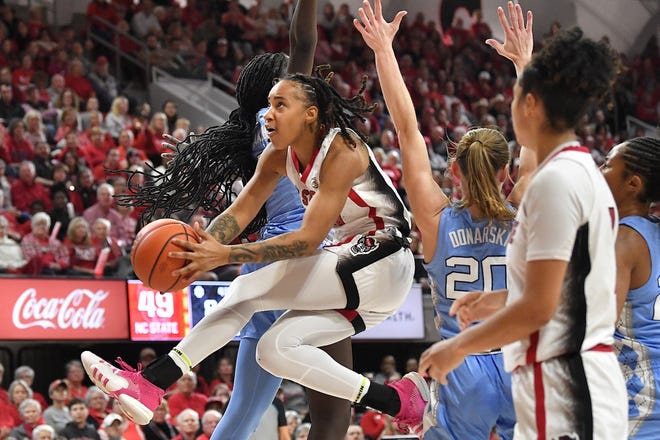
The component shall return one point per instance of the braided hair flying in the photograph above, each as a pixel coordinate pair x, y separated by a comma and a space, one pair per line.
205, 168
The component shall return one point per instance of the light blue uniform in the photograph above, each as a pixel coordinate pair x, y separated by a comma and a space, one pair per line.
469, 257
637, 339
254, 387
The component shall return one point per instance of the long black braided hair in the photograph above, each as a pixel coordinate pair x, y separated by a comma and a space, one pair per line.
334, 109
206, 166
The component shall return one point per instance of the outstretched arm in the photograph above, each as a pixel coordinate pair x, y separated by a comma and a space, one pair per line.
518, 37
302, 38
426, 198
517, 47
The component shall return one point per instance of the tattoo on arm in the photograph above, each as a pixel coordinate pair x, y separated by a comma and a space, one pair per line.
259, 252
224, 228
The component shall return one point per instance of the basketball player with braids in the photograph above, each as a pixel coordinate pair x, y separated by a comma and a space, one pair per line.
201, 175
556, 320
330, 293
464, 243
632, 170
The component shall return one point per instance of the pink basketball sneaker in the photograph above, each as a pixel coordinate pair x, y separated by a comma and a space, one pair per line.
137, 396
414, 393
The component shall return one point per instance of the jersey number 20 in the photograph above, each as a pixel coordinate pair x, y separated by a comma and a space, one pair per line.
472, 274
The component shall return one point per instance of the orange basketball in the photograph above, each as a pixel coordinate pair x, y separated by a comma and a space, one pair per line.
149, 255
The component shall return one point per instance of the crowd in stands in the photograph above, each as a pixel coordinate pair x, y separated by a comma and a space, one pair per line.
72, 410
67, 130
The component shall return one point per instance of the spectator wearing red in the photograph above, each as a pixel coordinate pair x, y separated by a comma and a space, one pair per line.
6, 419
210, 420
18, 391
126, 44
69, 122
5, 154
27, 374
127, 152
185, 396
95, 119
74, 379
18, 224
35, 25
97, 402
20, 148
82, 254
392, 167
373, 424
479, 28
103, 209
75, 79
224, 374
98, 147
11, 261
26, 189
193, 14
150, 139
108, 169
58, 65
647, 108
104, 10
101, 240
22, 76
45, 255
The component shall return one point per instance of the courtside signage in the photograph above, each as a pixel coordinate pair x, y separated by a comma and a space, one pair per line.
63, 309
405, 323
156, 316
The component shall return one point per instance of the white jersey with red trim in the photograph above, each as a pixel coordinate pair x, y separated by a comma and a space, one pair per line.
372, 204
567, 213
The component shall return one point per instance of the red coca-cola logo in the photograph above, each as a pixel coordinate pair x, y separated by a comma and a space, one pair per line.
63, 309
79, 309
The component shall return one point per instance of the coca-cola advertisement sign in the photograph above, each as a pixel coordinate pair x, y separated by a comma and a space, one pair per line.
63, 309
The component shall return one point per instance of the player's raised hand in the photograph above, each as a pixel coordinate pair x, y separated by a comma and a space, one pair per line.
518, 36
174, 145
376, 32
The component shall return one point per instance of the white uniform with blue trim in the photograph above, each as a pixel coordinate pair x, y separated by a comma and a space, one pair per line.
637, 339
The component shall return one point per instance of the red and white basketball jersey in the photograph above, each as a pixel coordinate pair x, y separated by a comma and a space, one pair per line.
567, 213
373, 203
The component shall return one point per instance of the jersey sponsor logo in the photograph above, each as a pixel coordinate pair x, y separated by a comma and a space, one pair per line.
470, 236
365, 245
306, 196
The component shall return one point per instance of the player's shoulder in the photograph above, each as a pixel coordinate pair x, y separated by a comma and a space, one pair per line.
563, 172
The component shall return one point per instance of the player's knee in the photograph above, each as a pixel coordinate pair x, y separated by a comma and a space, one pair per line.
271, 353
